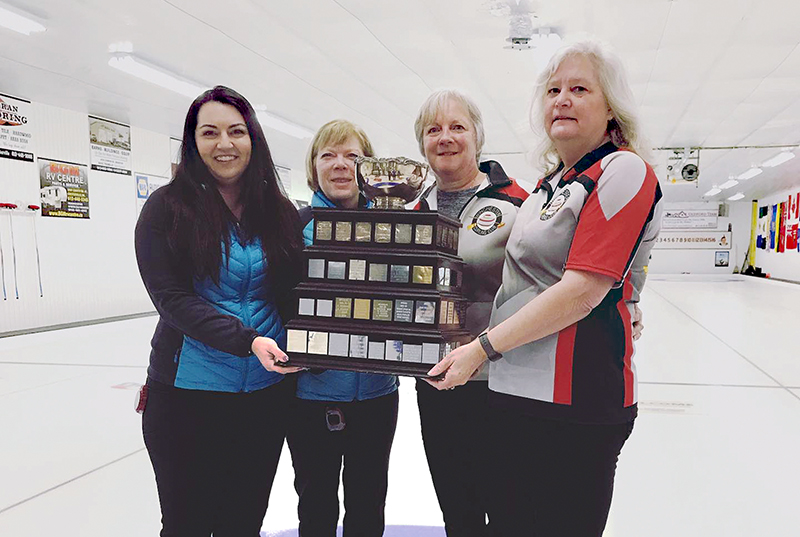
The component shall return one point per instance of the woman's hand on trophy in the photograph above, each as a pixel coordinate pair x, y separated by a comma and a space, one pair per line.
458, 367
271, 356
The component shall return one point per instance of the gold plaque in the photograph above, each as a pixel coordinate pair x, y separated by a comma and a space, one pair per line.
361, 308
422, 274
382, 310
296, 340
443, 312
450, 312
363, 231
343, 306
324, 230
383, 232
424, 234
343, 231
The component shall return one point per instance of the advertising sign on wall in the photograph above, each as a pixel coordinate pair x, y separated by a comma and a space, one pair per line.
15, 129
690, 219
693, 240
111, 146
146, 185
64, 188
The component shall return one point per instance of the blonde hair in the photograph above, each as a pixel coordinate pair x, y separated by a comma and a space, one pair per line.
624, 127
435, 102
334, 132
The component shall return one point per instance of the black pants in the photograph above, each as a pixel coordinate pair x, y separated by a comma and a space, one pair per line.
453, 432
215, 455
317, 454
551, 478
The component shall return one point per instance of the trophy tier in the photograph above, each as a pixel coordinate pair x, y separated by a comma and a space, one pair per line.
381, 293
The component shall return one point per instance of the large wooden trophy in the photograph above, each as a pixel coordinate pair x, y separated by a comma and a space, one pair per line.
381, 291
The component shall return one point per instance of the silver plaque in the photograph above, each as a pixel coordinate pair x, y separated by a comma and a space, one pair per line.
316, 268
377, 272
412, 353
394, 350
376, 351
324, 307
338, 344
358, 269
430, 353
358, 346
426, 312
336, 270
399, 274
402, 233
343, 231
305, 306
317, 343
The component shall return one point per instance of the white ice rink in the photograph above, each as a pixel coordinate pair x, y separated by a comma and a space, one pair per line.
715, 451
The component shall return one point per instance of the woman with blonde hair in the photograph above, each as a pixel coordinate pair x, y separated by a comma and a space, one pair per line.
562, 384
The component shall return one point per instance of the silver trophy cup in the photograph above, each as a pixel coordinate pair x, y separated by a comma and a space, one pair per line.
390, 182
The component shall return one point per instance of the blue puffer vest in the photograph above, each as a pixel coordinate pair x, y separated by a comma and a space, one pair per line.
339, 385
244, 293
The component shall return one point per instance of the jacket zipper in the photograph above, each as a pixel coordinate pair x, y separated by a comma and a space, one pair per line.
243, 303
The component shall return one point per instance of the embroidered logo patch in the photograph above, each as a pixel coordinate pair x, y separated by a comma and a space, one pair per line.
487, 220
553, 207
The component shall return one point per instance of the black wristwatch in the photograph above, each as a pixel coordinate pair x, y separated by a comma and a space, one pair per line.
492, 354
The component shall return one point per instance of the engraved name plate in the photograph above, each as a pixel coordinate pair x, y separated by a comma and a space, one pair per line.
363, 231
430, 353
402, 233
450, 311
343, 308
403, 310
394, 350
338, 344
423, 234
377, 272
343, 231
443, 312
376, 350
399, 274
358, 269
361, 308
324, 230
423, 274
383, 232
412, 353
382, 310
296, 340
442, 279
336, 270
317, 343
358, 346
316, 268
426, 312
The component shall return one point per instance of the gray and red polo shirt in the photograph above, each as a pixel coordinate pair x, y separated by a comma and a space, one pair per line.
603, 216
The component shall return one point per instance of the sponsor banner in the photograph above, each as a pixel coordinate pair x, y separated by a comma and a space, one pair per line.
693, 240
15, 129
146, 185
64, 188
111, 146
690, 219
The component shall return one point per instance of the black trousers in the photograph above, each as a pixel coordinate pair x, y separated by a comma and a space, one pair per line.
317, 454
214, 455
454, 434
551, 478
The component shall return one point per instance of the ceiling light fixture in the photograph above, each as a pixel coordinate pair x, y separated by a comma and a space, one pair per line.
736, 197
749, 174
713, 192
268, 119
780, 158
19, 21
127, 63
729, 184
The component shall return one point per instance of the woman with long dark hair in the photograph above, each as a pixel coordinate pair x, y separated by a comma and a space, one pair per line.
218, 250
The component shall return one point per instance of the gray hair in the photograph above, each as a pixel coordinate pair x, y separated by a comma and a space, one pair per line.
624, 128
433, 105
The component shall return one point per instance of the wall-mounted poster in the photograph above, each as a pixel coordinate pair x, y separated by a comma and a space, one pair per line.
111, 146
15, 129
146, 185
64, 188
722, 259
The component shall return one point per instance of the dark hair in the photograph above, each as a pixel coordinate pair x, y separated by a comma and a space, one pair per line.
202, 220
